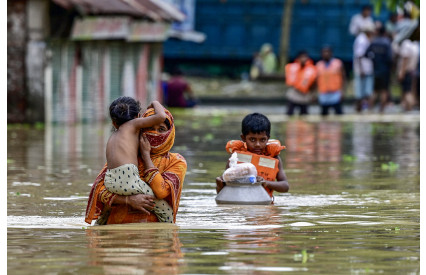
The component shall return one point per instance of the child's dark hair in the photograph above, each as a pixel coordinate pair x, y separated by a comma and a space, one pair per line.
124, 109
256, 123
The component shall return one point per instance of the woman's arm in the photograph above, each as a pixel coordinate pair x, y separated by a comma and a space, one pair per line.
160, 183
281, 185
141, 202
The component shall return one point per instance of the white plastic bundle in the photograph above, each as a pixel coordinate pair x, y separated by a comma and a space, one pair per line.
239, 172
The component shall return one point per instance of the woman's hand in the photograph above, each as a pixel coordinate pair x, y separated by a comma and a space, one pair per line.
144, 145
141, 202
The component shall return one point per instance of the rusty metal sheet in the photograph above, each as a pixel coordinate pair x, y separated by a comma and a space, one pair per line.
154, 10
148, 31
94, 28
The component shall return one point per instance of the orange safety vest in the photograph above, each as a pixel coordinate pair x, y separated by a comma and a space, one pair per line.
266, 166
300, 78
330, 77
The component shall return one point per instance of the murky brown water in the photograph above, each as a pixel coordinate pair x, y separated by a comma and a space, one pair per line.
353, 205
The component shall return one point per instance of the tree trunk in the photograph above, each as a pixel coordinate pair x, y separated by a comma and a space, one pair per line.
285, 33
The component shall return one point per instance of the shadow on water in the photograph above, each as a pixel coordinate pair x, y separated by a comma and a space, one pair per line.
353, 205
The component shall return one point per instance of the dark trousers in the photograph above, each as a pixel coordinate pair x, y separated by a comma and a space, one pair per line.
338, 110
292, 106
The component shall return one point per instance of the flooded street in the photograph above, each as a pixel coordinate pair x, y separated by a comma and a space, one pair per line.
353, 205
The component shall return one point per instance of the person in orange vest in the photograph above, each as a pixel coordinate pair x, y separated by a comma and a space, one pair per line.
330, 82
256, 147
300, 78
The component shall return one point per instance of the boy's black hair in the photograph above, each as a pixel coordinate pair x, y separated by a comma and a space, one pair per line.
366, 7
256, 123
124, 109
302, 52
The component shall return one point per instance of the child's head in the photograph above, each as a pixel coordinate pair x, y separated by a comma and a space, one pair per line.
123, 109
255, 131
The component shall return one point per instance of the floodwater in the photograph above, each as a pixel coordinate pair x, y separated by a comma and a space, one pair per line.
353, 205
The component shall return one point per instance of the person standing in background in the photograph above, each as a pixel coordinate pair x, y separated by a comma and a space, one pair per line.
380, 52
179, 92
268, 59
363, 68
407, 65
390, 25
330, 82
300, 78
360, 20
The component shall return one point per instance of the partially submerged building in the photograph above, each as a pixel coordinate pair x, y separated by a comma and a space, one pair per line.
81, 54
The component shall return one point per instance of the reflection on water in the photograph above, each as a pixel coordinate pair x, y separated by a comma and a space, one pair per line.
134, 253
353, 205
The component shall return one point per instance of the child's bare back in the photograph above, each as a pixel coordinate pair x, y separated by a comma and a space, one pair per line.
122, 176
122, 146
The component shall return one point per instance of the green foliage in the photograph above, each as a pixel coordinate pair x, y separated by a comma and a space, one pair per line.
304, 256
348, 158
390, 166
391, 4
208, 137
39, 125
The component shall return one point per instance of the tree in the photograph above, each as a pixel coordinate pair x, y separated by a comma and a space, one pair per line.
392, 4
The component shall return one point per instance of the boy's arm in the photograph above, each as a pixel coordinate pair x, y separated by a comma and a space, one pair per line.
281, 185
220, 183
158, 117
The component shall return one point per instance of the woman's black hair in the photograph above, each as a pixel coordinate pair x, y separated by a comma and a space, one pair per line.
124, 109
167, 122
256, 123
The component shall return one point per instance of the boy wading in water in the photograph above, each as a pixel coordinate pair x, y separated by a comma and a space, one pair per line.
256, 147
122, 176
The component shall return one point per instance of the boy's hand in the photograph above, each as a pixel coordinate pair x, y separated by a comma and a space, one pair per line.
159, 110
151, 105
219, 184
154, 104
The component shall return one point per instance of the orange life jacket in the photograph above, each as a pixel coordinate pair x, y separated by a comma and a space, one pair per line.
300, 78
266, 165
330, 78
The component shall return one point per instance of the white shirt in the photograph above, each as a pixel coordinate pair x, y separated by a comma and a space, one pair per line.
409, 49
361, 44
357, 22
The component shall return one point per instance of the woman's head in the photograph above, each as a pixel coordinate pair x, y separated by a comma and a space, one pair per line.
160, 136
160, 128
123, 109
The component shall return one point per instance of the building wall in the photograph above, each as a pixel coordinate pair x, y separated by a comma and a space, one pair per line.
243, 26
84, 77
16, 43
37, 32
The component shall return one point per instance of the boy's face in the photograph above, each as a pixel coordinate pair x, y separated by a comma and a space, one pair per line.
256, 143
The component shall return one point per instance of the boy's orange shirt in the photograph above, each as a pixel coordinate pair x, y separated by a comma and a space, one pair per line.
273, 148
266, 164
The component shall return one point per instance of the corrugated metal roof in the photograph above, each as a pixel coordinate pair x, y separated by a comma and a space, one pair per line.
156, 10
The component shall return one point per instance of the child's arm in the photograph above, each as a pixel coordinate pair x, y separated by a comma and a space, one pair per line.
220, 183
281, 185
145, 122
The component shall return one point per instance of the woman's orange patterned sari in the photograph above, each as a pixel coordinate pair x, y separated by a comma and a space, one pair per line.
166, 181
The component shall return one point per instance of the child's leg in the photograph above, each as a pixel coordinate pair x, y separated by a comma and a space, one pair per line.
125, 180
